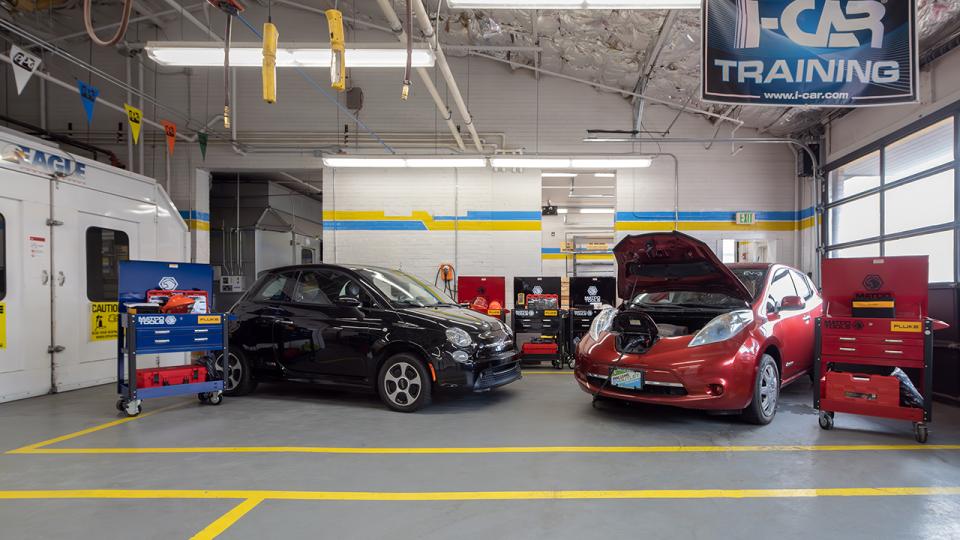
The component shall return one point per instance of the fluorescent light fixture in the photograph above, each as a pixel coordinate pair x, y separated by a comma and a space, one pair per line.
611, 163
562, 210
591, 162
605, 175
369, 162
558, 175
207, 54
574, 4
596, 210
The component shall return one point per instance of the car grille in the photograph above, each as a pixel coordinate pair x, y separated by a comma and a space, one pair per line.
647, 390
497, 375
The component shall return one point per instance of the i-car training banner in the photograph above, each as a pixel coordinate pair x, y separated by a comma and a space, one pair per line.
831, 53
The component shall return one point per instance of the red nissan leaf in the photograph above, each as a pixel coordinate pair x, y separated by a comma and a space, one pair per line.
695, 333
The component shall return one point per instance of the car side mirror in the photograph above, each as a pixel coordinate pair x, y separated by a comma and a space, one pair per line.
792, 303
349, 301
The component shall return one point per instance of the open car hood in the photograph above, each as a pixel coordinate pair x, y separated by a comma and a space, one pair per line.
672, 261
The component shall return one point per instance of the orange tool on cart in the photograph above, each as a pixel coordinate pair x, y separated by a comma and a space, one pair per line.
873, 338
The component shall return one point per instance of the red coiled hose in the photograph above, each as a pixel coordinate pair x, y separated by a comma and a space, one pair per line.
122, 31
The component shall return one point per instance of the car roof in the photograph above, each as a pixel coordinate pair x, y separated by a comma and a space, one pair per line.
353, 267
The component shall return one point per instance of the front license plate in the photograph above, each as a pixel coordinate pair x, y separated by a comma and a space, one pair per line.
626, 378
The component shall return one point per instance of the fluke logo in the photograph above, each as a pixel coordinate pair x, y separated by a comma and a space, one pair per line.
835, 27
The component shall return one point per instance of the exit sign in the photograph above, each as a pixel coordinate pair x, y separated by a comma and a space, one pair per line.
746, 218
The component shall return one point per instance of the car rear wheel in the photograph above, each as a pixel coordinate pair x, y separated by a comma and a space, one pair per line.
766, 393
404, 384
239, 380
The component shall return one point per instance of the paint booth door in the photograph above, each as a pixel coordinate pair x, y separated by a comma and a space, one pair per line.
24, 286
99, 230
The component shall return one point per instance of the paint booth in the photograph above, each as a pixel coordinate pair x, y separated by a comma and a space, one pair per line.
65, 223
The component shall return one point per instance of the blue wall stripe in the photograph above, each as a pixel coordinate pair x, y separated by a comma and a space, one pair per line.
493, 215
776, 215
349, 225
195, 214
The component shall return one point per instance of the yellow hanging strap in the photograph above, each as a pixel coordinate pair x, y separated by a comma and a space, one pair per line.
338, 66
270, 38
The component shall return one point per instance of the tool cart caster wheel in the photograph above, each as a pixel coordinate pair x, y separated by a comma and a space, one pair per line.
826, 420
121, 405
204, 397
572, 362
215, 398
557, 364
132, 408
920, 433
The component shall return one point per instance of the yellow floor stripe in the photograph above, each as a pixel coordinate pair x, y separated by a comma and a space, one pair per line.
496, 449
31, 448
253, 497
227, 520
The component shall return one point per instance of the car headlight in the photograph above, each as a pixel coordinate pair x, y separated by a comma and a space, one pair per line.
723, 327
601, 323
459, 337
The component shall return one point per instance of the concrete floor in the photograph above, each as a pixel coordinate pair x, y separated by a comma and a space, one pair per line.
544, 409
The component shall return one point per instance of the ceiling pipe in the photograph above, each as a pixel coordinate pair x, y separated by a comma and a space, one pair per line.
445, 111
302, 182
193, 20
427, 27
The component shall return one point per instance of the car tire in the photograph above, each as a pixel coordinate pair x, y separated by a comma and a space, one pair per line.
239, 380
766, 393
404, 383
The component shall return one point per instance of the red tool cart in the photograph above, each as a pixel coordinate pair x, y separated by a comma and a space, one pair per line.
484, 294
874, 326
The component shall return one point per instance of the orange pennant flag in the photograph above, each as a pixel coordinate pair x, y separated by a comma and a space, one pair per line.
170, 129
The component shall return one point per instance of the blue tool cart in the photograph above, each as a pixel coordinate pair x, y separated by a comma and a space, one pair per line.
156, 333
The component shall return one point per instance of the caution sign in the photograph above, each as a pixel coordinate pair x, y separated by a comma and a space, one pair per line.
104, 321
3, 325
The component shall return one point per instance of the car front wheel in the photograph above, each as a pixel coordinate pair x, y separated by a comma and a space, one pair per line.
766, 393
239, 380
403, 383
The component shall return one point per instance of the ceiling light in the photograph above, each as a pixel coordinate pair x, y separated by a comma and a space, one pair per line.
587, 162
605, 175
354, 162
596, 210
574, 4
207, 54
558, 175
562, 210
610, 163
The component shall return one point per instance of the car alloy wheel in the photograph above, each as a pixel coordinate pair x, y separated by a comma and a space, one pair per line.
769, 389
402, 384
234, 372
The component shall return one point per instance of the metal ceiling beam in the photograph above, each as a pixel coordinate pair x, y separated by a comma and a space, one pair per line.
650, 57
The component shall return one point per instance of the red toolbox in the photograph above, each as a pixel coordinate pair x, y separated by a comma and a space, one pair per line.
534, 348
860, 388
170, 376
875, 321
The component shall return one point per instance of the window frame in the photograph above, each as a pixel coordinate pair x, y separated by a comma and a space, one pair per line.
950, 112
99, 266
3, 257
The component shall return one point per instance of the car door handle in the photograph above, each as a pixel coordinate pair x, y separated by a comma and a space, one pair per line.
286, 322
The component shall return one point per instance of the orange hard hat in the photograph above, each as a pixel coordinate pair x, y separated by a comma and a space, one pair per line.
495, 305
178, 304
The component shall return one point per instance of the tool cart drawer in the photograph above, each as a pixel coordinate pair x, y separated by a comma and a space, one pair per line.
189, 336
860, 388
874, 348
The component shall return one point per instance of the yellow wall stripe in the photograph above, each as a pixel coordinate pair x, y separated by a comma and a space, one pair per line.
251, 498
225, 521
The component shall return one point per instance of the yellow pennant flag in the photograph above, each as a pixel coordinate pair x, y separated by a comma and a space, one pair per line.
135, 117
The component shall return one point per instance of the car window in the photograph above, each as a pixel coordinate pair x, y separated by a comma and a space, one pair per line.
752, 279
275, 289
803, 286
780, 286
324, 286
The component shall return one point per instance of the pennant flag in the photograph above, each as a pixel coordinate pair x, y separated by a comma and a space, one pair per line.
135, 117
202, 139
170, 129
24, 64
88, 95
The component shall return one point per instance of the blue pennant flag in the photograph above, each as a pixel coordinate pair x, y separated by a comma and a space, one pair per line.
88, 94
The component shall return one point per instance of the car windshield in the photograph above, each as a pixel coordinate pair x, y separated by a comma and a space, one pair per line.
753, 278
403, 289
686, 299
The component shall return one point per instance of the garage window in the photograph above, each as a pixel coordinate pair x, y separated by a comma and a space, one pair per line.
105, 249
898, 197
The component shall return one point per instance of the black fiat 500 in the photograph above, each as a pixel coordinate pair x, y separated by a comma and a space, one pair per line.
364, 327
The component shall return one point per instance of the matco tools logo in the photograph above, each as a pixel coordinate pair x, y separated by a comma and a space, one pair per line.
592, 297
835, 28
872, 282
